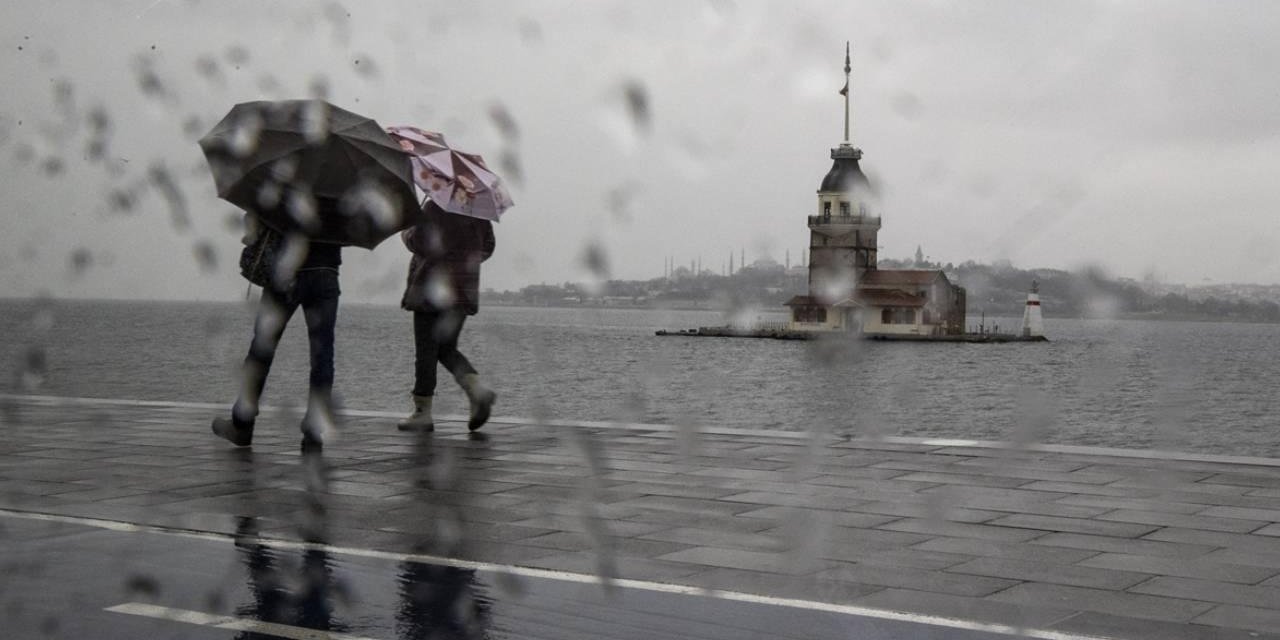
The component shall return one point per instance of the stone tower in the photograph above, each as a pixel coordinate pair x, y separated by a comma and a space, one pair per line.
842, 234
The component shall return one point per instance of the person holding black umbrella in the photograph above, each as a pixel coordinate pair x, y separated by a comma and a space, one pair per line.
293, 272
312, 178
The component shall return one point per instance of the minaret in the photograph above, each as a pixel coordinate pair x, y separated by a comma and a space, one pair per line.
842, 238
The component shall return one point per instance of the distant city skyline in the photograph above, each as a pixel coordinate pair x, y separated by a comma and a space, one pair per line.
1062, 135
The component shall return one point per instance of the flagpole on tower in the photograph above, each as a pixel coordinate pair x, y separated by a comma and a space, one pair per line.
845, 91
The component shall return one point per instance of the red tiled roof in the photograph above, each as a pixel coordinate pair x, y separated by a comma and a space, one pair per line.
890, 298
801, 301
893, 277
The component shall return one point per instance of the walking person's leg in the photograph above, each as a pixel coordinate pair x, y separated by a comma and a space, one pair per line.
274, 311
448, 329
318, 293
425, 351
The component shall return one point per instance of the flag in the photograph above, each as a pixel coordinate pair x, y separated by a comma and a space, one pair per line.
845, 91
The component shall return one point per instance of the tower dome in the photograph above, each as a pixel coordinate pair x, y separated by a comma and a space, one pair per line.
845, 175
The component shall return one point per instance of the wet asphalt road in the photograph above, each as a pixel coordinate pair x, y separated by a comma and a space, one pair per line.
68, 580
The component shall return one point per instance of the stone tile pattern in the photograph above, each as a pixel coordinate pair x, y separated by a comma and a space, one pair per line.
1074, 541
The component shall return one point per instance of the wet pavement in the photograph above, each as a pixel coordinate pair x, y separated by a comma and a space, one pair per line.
76, 581
128, 519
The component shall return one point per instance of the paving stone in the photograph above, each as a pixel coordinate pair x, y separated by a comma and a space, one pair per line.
1240, 617
974, 479
964, 608
1211, 591
1090, 489
1142, 547
1264, 515
1239, 541
1163, 519
1140, 504
845, 519
1030, 550
690, 536
1102, 625
716, 522
1074, 525
1104, 601
1266, 479
961, 529
1074, 575
622, 546
769, 584
659, 489
911, 557
933, 509
915, 579
1201, 568
750, 560
672, 503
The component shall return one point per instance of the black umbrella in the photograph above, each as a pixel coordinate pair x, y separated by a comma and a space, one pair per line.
306, 166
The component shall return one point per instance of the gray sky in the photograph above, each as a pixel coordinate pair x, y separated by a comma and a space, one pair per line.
1141, 136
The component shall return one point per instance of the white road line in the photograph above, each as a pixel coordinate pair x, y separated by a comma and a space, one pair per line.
564, 576
229, 622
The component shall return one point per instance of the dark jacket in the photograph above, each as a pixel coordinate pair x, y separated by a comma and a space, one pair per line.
444, 272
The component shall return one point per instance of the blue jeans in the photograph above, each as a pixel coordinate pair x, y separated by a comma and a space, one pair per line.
316, 291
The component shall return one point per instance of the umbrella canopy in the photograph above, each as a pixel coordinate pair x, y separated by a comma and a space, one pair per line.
457, 181
306, 166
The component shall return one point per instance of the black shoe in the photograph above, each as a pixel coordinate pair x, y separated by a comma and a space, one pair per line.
238, 433
311, 444
481, 405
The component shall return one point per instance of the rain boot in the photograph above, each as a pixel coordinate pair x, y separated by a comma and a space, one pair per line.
234, 430
420, 419
318, 422
481, 398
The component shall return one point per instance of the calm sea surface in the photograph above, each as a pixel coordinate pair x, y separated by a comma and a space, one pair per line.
1203, 387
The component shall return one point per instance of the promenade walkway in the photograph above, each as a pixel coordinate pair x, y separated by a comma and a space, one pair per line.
1055, 541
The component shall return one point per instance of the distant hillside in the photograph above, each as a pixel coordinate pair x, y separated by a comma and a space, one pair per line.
996, 290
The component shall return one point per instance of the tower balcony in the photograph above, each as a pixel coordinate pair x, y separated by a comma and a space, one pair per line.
835, 221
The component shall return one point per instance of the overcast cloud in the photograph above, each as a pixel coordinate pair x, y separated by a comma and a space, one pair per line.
1141, 136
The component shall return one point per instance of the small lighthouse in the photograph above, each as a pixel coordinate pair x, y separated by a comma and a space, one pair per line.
1032, 320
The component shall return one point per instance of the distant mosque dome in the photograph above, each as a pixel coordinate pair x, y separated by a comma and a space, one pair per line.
845, 175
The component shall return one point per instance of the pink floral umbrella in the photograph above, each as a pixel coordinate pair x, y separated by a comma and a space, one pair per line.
457, 181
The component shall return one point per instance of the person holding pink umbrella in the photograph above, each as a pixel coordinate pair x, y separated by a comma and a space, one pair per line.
452, 238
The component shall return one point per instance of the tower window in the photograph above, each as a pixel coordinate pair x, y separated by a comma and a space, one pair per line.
844, 209
862, 209
826, 208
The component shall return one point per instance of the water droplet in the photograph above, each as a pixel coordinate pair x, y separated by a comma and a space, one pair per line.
638, 105
206, 256
315, 122
52, 167
319, 88
366, 67
142, 585
81, 261
370, 203
509, 165
237, 54
34, 368
906, 104
163, 181
207, 66
439, 290
504, 122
